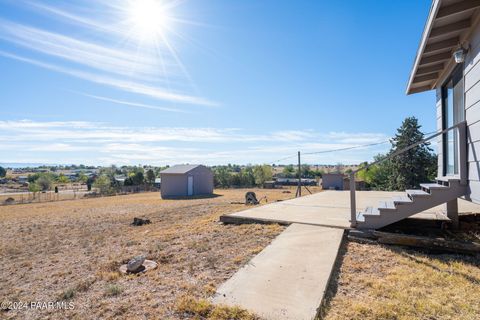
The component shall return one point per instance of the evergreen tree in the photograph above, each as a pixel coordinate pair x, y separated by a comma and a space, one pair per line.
414, 166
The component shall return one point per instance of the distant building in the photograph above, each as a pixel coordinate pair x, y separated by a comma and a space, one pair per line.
332, 181
158, 182
22, 179
186, 180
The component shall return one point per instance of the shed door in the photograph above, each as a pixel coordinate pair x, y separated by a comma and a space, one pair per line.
190, 186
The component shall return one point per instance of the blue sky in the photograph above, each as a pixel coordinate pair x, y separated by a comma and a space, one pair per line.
211, 81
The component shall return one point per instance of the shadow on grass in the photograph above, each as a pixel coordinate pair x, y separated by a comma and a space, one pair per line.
332, 287
200, 196
417, 255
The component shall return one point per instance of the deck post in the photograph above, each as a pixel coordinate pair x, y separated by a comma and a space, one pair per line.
353, 206
452, 212
462, 146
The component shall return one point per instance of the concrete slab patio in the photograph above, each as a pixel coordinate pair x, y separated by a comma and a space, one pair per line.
329, 209
288, 279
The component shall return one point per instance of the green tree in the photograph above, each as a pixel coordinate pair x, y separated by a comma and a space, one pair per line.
414, 166
44, 182
62, 178
82, 177
222, 176
262, 173
150, 176
3, 172
103, 184
247, 178
289, 171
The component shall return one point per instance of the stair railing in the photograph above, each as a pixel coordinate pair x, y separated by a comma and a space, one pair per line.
461, 127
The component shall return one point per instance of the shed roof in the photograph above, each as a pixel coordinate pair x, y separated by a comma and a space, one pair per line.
180, 169
449, 25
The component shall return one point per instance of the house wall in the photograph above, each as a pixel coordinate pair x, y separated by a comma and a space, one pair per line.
471, 74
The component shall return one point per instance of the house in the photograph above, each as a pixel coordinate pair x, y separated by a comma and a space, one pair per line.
447, 61
332, 181
158, 182
22, 179
186, 180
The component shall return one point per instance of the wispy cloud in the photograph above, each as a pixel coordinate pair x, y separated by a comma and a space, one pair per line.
133, 87
101, 143
133, 104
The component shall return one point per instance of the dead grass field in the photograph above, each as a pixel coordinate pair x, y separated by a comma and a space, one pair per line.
71, 250
389, 282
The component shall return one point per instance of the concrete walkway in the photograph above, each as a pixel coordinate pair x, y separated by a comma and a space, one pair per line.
288, 279
329, 209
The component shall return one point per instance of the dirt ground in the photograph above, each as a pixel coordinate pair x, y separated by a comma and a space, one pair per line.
70, 251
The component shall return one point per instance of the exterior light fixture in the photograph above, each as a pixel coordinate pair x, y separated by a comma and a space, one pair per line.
459, 55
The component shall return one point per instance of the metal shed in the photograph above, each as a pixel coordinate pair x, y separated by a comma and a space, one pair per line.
332, 181
186, 180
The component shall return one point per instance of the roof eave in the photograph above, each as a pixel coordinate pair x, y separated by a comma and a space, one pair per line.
426, 33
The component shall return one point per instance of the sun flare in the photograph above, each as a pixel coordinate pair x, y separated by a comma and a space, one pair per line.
149, 18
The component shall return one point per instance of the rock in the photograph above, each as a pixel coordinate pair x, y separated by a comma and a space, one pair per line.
140, 221
135, 264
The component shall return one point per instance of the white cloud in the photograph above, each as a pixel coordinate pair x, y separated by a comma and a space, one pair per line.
101, 143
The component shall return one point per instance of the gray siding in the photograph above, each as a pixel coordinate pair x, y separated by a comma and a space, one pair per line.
176, 185
472, 113
332, 181
471, 75
173, 185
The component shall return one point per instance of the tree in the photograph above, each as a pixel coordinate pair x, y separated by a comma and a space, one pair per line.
3, 172
150, 176
103, 184
44, 182
416, 165
262, 173
289, 171
82, 177
62, 178
247, 178
221, 177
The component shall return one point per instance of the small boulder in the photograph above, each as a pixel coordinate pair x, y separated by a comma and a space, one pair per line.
135, 264
140, 221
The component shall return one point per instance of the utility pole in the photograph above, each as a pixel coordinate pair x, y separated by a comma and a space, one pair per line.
299, 188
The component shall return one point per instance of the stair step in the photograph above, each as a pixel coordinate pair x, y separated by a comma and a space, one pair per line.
432, 186
417, 193
402, 200
386, 205
371, 211
360, 217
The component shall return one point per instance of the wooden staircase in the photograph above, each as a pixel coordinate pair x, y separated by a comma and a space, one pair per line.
430, 195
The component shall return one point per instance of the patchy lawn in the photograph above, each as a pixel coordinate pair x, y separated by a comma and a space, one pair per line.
71, 250
388, 282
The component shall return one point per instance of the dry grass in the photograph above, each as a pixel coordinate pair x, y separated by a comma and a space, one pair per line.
71, 251
380, 282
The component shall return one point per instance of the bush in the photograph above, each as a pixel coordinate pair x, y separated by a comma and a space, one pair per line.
103, 185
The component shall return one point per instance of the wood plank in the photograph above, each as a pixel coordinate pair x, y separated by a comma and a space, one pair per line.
430, 69
442, 45
436, 58
426, 242
458, 7
449, 28
431, 76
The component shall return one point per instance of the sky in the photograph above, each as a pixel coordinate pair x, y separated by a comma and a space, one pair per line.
155, 82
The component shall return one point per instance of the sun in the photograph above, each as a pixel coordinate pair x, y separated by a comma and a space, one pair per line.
148, 18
